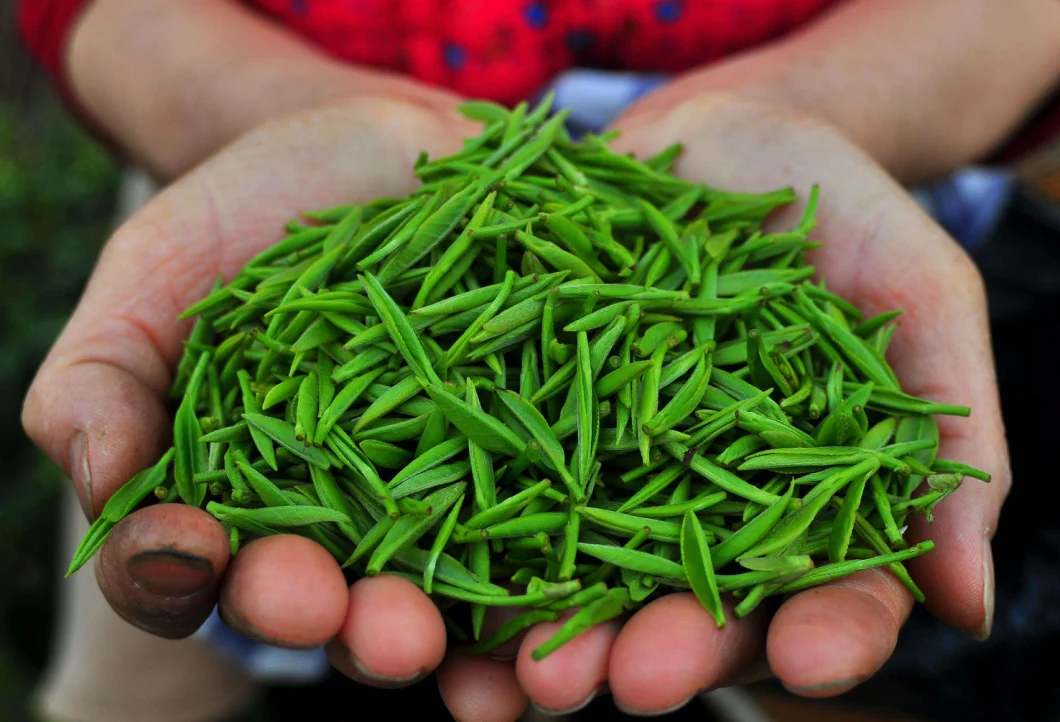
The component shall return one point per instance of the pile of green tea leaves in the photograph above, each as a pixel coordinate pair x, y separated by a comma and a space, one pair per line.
555, 367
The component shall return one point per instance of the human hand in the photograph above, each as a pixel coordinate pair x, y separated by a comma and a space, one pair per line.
109, 371
882, 252
98, 404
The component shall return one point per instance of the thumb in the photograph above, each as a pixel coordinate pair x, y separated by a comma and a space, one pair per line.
161, 568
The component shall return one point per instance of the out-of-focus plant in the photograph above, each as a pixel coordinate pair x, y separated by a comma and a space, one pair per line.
57, 195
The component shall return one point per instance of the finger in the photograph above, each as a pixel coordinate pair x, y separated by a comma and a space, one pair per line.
496, 617
480, 689
98, 422
570, 677
672, 650
392, 635
942, 352
826, 640
284, 590
95, 406
882, 252
161, 568
957, 578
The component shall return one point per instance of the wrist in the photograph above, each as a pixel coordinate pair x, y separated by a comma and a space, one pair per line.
396, 126
172, 83
659, 121
770, 82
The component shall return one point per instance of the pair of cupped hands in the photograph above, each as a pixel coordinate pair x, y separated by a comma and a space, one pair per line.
98, 408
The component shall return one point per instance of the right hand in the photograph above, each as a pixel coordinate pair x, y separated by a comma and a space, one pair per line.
98, 405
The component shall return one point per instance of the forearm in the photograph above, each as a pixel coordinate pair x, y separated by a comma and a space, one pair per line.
923, 85
171, 81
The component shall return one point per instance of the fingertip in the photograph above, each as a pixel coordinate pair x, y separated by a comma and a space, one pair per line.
569, 677
479, 689
161, 568
826, 640
957, 575
672, 649
285, 590
392, 634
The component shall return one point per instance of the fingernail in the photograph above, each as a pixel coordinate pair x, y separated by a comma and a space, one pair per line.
570, 710
983, 632
652, 713
826, 689
366, 676
80, 473
170, 573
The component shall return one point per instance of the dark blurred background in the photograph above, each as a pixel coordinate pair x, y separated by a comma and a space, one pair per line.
57, 197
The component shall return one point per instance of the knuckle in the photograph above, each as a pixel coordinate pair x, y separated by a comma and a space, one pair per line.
35, 407
965, 275
31, 411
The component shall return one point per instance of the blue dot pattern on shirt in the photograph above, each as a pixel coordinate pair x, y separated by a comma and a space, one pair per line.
454, 55
300, 7
668, 11
537, 15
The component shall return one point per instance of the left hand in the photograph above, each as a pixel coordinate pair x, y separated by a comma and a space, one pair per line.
882, 253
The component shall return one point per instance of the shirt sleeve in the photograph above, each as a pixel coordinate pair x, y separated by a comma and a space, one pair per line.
45, 25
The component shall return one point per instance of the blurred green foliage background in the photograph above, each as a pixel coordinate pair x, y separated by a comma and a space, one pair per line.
57, 196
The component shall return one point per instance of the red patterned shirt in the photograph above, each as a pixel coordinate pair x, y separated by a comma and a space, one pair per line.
501, 50
505, 50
